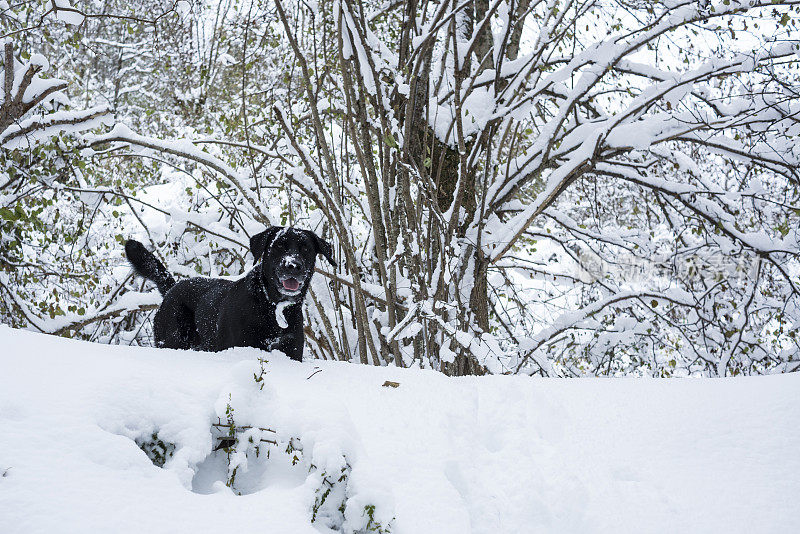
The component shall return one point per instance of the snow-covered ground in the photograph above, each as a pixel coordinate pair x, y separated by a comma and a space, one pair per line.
434, 455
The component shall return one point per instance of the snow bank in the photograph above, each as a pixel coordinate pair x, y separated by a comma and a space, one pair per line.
433, 455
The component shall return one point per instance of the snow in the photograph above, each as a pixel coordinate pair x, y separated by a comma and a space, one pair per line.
280, 309
39, 60
65, 12
51, 124
183, 7
129, 301
434, 454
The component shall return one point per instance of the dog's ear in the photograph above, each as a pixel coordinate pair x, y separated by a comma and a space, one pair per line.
323, 247
262, 240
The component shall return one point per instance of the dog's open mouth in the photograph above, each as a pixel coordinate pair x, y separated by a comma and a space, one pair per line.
290, 284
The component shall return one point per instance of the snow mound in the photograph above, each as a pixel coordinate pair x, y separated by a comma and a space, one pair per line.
84, 428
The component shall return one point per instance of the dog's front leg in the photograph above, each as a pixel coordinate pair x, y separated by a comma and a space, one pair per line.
286, 343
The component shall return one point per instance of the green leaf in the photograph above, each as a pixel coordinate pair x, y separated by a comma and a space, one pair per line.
7, 214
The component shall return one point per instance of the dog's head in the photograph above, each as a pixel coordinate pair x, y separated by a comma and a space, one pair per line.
287, 257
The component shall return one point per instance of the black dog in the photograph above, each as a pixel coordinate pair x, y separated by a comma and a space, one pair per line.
262, 310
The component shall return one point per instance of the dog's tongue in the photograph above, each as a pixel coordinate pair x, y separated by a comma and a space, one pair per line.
291, 284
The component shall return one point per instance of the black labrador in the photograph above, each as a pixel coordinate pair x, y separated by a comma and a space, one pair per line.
263, 309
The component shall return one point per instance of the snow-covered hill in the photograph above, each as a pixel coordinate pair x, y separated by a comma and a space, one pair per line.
434, 455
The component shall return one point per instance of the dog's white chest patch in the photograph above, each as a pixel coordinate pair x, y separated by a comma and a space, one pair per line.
279, 316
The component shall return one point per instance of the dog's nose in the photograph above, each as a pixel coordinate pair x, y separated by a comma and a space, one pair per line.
291, 264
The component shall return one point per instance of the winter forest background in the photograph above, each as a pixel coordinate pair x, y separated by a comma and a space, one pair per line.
554, 187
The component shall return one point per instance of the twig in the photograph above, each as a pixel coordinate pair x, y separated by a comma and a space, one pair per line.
318, 370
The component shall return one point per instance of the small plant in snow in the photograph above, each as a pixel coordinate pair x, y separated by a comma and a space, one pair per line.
240, 442
331, 498
292, 448
229, 418
259, 378
229, 444
156, 449
373, 525
330, 505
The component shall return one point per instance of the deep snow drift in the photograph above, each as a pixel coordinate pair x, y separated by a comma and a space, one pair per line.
433, 455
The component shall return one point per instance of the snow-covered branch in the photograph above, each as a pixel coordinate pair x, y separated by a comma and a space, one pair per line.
24, 90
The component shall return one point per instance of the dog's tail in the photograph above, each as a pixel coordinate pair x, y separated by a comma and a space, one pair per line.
147, 265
